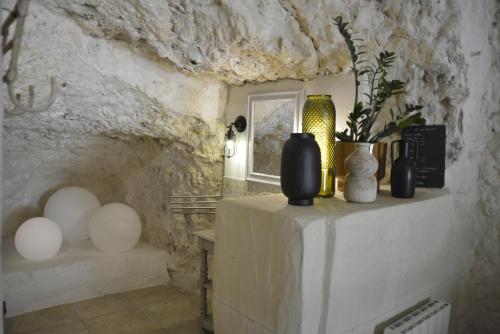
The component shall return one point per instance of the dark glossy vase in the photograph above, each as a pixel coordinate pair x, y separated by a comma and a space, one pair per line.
403, 170
301, 169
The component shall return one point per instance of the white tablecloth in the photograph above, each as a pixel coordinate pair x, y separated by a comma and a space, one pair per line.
334, 267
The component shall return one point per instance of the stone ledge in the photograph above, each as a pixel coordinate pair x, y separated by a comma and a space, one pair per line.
76, 273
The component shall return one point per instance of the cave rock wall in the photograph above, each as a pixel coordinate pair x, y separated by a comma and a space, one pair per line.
124, 125
126, 119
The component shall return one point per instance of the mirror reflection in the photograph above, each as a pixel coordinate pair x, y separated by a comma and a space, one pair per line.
273, 124
272, 118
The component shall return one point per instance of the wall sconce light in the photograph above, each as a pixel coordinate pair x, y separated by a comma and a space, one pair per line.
240, 124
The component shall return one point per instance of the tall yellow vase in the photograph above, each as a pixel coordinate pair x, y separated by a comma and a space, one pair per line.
318, 118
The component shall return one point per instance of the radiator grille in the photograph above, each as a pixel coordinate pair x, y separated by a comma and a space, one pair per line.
432, 318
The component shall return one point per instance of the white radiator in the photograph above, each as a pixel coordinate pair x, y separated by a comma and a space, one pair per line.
432, 318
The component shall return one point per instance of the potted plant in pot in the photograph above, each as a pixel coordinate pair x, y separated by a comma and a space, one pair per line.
362, 131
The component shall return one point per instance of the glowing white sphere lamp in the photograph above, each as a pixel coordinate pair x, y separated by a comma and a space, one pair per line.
115, 228
71, 208
38, 239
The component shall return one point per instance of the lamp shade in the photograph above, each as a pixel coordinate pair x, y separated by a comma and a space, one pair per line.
318, 118
230, 147
115, 228
38, 239
240, 124
71, 208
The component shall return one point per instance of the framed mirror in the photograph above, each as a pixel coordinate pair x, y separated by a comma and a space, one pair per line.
271, 119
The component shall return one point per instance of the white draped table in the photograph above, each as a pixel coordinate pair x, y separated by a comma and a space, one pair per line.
331, 268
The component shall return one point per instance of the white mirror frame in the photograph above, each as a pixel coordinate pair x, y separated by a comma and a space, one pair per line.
298, 97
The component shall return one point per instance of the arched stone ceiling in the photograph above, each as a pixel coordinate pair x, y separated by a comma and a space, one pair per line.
238, 41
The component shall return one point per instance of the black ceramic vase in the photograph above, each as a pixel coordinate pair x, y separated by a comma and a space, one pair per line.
301, 169
403, 170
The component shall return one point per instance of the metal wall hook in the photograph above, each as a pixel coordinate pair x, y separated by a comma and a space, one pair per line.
15, 110
20, 108
18, 15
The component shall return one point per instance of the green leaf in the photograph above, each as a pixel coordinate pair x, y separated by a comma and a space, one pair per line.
389, 129
415, 119
343, 136
363, 116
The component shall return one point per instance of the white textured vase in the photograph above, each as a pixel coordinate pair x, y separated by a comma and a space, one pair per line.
360, 182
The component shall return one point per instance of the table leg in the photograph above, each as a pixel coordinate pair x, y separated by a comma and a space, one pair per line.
203, 284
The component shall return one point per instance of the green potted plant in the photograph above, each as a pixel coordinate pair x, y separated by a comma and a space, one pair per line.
362, 124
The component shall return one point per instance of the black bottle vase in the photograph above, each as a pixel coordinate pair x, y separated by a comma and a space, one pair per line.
403, 169
301, 169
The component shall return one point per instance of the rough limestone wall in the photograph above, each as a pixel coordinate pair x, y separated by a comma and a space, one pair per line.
477, 173
241, 41
125, 126
448, 53
236, 40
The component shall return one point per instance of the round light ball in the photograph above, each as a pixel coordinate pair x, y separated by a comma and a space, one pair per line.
71, 208
38, 239
115, 228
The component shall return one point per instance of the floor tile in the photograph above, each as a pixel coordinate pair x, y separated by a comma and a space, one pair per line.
156, 294
42, 320
157, 310
172, 312
72, 328
125, 322
188, 327
92, 308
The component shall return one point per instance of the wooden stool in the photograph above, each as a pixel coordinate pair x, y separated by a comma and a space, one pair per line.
206, 242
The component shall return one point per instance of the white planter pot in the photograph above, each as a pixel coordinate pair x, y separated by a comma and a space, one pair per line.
360, 183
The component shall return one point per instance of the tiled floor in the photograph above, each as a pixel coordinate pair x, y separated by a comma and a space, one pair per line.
156, 310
